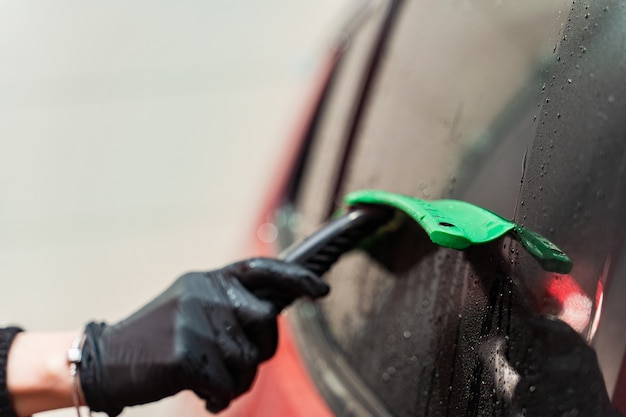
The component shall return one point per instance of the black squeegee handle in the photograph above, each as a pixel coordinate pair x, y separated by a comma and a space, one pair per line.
321, 250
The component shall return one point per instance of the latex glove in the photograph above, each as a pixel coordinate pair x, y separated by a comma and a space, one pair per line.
207, 333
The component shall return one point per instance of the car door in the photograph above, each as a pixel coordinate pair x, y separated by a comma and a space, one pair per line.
515, 107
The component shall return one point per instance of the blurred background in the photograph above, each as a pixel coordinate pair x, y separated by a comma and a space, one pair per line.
137, 140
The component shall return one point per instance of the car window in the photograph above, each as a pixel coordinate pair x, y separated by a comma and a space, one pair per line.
505, 105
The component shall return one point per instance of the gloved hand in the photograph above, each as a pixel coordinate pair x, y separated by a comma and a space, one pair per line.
207, 333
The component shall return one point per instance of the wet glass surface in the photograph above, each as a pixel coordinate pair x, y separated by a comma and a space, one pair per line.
515, 108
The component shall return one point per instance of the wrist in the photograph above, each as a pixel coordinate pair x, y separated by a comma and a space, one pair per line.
38, 372
96, 391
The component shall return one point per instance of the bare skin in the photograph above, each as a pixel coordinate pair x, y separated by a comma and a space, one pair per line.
38, 374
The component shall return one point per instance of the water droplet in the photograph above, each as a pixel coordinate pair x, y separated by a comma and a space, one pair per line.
406, 334
386, 376
532, 388
569, 80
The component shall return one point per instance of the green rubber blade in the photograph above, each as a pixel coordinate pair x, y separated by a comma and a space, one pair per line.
549, 256
457, 224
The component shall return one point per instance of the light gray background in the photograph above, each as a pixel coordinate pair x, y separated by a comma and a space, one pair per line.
137, 140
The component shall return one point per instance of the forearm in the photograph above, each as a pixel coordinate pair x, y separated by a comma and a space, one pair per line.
38, 374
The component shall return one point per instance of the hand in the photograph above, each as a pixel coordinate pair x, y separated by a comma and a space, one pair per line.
207, 333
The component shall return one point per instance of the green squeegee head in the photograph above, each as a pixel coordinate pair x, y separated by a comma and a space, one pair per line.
459, 225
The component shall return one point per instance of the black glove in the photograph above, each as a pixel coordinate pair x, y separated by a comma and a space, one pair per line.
207, 333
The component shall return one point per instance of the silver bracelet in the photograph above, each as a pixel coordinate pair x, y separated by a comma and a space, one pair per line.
74, 357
